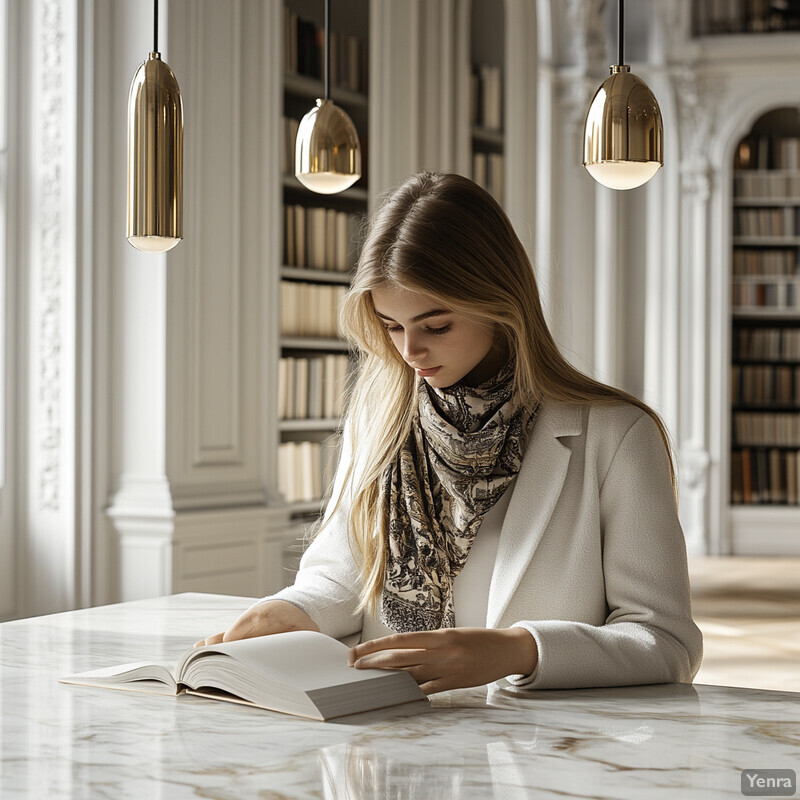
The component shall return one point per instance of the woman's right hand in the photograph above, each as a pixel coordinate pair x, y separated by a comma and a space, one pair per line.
274, 616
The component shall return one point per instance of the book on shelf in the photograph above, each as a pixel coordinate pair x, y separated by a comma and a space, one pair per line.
780, 153
330, 389
488, 171
768, 344
325, 382
792, 484
486, 97
301, 388
286, 472
770, 384
299, 236
303, 673
320, 238
775, 294
289, 127
767, 428
309, 466
289, 245
765, 222
310, 309
284, 371
329, 236
765, 476
766, 184
314, 405
303, 53
772, 262
306, 469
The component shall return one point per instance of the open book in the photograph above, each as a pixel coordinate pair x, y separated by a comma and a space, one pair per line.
300, 672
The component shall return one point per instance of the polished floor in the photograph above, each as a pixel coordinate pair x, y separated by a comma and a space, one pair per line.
749, 612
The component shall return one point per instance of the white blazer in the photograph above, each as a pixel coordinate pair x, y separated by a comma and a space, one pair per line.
591, 558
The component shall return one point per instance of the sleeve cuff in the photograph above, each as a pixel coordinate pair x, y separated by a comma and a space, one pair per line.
527, 681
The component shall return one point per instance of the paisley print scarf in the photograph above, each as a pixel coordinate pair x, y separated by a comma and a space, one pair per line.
460, 457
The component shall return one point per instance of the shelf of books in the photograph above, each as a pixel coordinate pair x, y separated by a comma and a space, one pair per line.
765, 328
320, 248
486, 98
720, 17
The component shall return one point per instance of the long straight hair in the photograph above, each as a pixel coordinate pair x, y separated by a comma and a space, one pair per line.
442, 235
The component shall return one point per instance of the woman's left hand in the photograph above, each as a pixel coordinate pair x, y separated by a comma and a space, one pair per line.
451, 658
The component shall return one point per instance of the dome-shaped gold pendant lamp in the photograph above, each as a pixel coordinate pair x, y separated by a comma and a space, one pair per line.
623, 139
327, 151
155, 155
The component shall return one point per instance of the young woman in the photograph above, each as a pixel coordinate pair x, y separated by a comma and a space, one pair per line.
496, 513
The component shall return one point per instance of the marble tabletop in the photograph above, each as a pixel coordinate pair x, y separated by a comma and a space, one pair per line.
671, 741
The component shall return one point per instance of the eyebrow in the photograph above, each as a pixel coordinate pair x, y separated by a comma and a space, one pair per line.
435, 313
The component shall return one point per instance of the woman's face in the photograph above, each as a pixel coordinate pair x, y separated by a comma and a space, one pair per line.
442, 345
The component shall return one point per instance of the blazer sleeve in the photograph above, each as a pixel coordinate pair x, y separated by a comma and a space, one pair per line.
649, 635
326, 586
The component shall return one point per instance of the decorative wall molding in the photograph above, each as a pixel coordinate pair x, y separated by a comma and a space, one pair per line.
587, 38
696, 182
185, 552
49, 178
693, 465
698, 97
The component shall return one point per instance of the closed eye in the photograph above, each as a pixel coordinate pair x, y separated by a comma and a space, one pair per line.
435, 331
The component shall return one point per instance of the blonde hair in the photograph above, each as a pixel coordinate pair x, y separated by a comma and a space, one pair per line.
442, 235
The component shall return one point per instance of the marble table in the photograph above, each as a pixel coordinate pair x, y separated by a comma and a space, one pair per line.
669, 741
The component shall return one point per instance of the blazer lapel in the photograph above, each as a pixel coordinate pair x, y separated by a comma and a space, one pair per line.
538, 487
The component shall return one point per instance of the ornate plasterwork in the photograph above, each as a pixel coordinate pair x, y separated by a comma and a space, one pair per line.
696, 182
585, 22
697, 99
574, 94
49, 187
694, 462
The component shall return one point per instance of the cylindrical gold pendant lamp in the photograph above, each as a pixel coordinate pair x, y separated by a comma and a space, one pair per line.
623, 139
327, 150
155, 156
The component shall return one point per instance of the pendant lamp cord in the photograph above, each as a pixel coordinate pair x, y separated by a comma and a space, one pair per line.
621, 35
155, 26
327, 49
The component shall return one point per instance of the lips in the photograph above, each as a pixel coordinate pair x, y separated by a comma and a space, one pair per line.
427, 373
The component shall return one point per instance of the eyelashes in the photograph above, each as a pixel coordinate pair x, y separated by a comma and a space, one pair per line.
434, 331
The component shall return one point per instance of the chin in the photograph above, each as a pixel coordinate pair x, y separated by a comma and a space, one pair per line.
439, 381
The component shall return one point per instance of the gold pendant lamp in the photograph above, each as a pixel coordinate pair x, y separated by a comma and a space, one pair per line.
327, 150
155, 155
623, 139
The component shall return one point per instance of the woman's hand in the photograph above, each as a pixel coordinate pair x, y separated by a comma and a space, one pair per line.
274, 616
452, 658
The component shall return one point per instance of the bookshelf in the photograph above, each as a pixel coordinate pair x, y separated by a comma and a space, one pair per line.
765, 325
319, 235
486, 106
722, 17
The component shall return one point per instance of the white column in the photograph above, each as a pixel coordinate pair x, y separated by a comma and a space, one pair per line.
607, 287
521, 98
693, 447
572, 271
48, 269
419, 74
195, 332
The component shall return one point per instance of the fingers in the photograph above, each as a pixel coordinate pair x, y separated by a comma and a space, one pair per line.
388, 659
421, 640
215, 639
242, 628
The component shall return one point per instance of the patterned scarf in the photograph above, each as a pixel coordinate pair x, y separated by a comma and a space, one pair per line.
461, 455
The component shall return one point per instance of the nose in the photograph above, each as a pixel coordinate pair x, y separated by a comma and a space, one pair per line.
414, 349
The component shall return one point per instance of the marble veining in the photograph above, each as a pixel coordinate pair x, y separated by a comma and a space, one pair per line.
56, 741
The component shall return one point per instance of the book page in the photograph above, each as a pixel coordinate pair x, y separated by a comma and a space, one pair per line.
142, 676
304, 660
